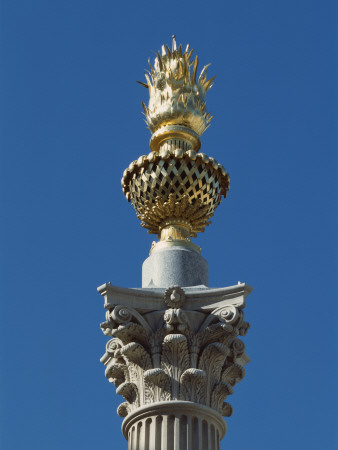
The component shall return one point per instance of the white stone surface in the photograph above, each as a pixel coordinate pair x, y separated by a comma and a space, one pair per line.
175, 266
174, 425
174, 346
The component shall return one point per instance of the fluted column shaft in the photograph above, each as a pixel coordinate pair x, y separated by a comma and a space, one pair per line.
174, 425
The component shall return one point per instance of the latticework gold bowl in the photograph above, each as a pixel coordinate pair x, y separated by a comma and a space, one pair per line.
175, 184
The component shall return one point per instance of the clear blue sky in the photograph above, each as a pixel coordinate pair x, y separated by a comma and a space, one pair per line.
71, 123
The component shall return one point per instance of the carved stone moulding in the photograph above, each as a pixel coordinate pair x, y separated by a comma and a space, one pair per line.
180, 425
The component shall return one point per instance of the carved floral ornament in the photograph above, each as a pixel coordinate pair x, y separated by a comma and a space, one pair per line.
173, 359
174, 297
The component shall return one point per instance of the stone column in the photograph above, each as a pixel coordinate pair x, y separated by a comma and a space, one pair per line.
175, 353
175, 357
174, 425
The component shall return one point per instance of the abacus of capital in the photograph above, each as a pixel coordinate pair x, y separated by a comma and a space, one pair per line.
175, 354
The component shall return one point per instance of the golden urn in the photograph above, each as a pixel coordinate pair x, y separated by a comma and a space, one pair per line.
175, 189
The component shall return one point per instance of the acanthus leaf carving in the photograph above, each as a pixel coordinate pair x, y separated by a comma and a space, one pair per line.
226, 409
195, 340
156, 340
175, 360
135, 353
123, 409
128, 391
233, 374
193, 385
219, 394
116, 373
244, 328
217, 332
211, 361
160, 382
138, 360
132, 332
158, 377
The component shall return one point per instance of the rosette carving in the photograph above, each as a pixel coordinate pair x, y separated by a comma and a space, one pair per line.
174, 297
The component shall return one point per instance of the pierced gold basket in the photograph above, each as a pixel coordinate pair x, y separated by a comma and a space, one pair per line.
175, 187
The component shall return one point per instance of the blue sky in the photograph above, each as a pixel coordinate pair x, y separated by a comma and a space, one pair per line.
71, 123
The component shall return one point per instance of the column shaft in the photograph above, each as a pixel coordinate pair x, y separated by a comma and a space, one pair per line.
174, 426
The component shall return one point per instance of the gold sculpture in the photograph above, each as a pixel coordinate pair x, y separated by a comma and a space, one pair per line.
175, 190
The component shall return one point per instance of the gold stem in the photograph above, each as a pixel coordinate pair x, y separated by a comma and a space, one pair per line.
174, 229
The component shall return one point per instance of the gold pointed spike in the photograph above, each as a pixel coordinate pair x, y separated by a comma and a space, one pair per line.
186, 62
194, 72
142, 84
174, 46
203, 70
184, 67
160, 62
148, 81
145, 109
178, 74
151, 67
180, 50
208, 84
168, 51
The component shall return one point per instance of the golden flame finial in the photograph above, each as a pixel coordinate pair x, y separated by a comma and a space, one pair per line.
174, 189
176, 96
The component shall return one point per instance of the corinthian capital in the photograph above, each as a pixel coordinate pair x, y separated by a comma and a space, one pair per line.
175, 344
